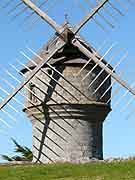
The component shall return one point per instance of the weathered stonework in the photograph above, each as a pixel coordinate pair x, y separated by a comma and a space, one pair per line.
77, 134
68, 129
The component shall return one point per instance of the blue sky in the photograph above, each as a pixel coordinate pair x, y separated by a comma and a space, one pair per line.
119, 132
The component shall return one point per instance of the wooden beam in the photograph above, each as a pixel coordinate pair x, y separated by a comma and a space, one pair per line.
59, 29
76, 43
89, 16
40, 65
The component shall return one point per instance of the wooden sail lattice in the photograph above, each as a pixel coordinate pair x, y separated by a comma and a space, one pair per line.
96, 11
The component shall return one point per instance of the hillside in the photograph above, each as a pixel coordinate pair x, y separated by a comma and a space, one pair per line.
124, 170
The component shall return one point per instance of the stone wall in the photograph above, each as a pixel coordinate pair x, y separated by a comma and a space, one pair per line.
68, 129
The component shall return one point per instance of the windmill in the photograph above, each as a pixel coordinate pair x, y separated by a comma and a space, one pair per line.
67, 90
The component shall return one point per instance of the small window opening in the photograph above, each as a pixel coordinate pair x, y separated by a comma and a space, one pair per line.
32, 92
49, 71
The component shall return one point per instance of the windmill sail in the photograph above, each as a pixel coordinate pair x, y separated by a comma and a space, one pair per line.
65, 85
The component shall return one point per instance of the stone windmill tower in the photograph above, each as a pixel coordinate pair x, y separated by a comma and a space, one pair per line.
70, 118
67, 117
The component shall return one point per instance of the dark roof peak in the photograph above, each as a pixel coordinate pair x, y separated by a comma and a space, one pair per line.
66, 54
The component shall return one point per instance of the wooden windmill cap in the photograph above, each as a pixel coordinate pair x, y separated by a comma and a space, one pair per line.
67, 55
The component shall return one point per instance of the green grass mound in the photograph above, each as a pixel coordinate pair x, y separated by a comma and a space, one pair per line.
124, 170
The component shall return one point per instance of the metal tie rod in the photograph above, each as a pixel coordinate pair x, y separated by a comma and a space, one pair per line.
76, 43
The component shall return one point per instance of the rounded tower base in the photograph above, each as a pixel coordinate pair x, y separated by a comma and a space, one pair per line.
68, 133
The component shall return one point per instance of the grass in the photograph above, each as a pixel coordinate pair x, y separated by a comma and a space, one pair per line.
95, 171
